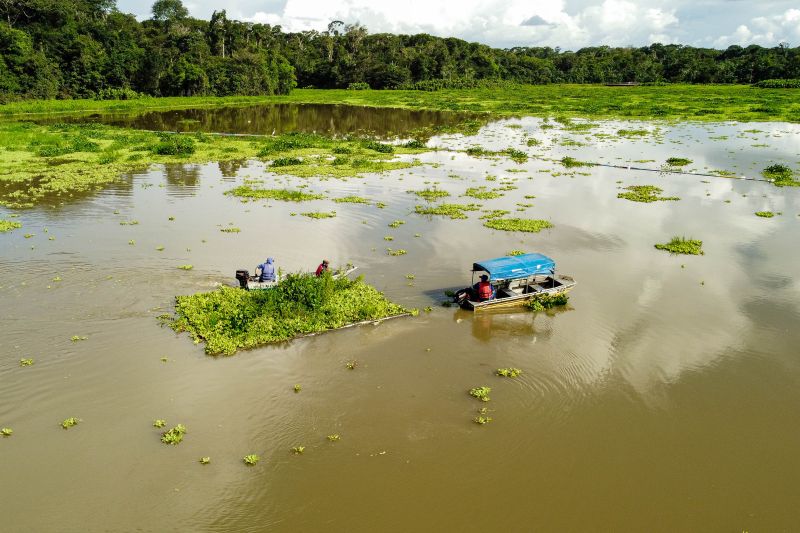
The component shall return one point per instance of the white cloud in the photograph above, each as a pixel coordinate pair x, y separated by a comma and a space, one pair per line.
766, 31
568, 24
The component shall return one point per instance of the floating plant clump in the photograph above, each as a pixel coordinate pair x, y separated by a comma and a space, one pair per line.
682, 245
481, 393
251, 459
454, 211
285, 195
70, 422
9, 225
508, 372
319, 214
645, 194
174, 436
229, 318
518, 224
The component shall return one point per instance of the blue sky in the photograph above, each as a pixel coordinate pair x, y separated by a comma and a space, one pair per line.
570, 24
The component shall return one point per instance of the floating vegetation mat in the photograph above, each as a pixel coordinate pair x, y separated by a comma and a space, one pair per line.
454, 211
645, 193
62, 161
9, 225
678, 161
231, 318
781, 176
765, 214
682, 245
518, 224
285, 195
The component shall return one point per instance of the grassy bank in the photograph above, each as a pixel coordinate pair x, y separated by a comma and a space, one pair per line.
669, 102
60, 161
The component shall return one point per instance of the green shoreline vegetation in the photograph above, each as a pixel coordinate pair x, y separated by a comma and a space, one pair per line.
229, 319
703, 103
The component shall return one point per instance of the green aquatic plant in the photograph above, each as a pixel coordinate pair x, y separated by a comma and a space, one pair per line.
286, 162
518, 156
9, 225
494, 213
508, 372
333, 438
159, 248
482, 193
251, 460
533, 142
285, 195
547, 301
682, 245
174, 144
25, 362
515, 252
76, 338
388, 238
765, 214
431, 195
6, 432
428, 309
351, 200
396, 223
351, 365
571, 162
230, 230
483, 416
518, 224
205, 460
186, 267
378, 147
297, 450
174, 435
632, 133
319, 214
678, 161
69, 422
297, 388
481, 393
645, 193
389, 251
159, 423
454, 211
781, 175
229, 318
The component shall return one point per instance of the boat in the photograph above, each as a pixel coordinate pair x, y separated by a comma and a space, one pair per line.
252, 283
515, 280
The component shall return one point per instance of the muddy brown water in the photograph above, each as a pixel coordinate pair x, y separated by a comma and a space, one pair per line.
665, 397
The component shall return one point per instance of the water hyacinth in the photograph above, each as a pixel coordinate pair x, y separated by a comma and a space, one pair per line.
230, 318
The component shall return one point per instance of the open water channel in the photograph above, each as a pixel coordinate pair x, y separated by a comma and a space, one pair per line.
665, 397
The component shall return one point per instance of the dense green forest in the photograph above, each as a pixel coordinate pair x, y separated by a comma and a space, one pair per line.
88, 48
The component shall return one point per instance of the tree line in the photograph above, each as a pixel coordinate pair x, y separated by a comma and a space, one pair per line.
89, 49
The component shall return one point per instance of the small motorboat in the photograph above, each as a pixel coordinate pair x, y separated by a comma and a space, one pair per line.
515, 279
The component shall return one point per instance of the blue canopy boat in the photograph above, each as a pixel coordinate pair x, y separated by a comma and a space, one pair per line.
515, 279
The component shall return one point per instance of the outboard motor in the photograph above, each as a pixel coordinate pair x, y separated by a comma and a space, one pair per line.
462, 296
243, 276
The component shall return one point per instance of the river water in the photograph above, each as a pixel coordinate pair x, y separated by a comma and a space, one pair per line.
665, 396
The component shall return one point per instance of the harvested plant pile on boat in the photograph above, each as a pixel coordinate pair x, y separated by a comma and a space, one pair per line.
231, 318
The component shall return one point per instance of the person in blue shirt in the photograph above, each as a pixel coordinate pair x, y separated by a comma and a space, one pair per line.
267, 270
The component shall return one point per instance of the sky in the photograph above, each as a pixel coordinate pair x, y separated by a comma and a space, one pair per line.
568, 24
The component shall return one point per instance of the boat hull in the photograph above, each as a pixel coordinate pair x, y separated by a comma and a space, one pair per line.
512, 298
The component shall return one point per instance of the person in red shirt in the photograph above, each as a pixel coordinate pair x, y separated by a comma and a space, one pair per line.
321, 268
484, 289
